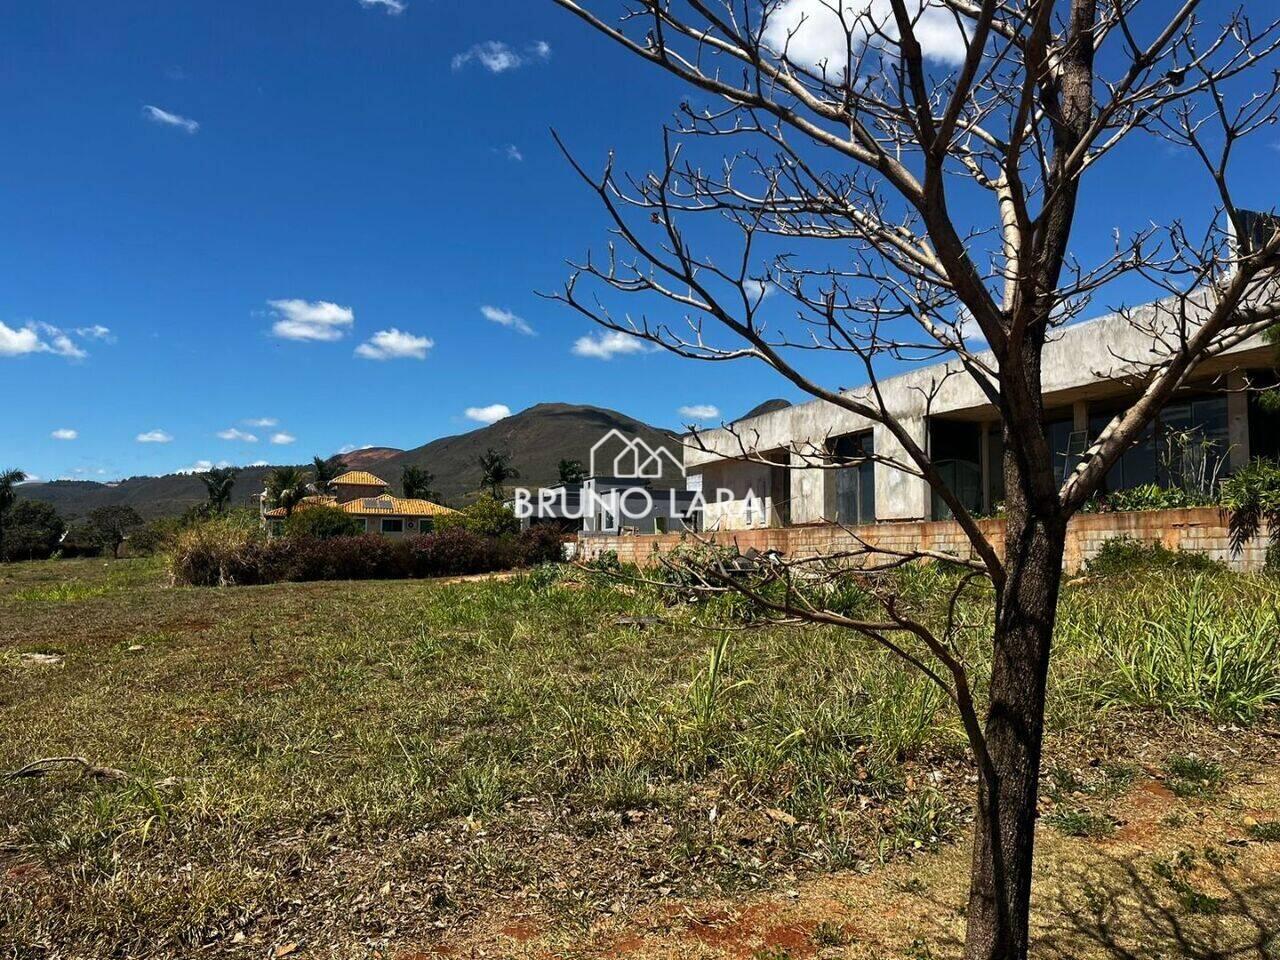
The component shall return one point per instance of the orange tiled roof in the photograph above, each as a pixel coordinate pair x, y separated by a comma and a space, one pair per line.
277, 513
389, 506
359, 478
381, 506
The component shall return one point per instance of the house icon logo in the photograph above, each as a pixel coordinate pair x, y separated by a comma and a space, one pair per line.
617, 455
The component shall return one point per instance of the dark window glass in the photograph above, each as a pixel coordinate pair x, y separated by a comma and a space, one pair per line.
855, 485
956, 450
995, 465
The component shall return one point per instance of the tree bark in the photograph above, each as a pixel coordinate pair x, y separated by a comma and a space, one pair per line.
1000, 881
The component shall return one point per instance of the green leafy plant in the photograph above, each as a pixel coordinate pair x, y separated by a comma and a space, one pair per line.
218, 484
572, 471
708, 687
496, 470
1198, 649
487, 517
1267, 832
1078, 822
9, 479
286, 487
1124, 555
1150, 496
33, 531
1191, 776
1251, 497
416, 483
327, 469
322, 522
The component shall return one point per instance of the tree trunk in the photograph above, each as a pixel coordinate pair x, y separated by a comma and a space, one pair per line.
1000, 879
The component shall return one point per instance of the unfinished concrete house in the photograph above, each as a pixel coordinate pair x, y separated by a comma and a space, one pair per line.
1214, 425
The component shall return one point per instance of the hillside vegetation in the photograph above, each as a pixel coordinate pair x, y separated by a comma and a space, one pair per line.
537, 439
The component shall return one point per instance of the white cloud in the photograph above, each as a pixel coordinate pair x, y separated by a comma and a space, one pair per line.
351, 447
14, 343
310, 320
498, 57
699, 411
513, 152
156, 115
38, 338
262, 422
154, 436
490, 414
392, 7
395, 345
506, 318
231, 433
203, 466
65, 433
259, 463
96, 332
606, 346
811, 31
282, 439
32, 478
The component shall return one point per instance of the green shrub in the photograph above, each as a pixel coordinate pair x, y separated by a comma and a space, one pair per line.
1123, 555
486, 517
1149, 496
322, 523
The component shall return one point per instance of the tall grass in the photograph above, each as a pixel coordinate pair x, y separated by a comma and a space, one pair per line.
1203, 644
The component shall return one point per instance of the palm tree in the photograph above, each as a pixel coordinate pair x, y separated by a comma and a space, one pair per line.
326, 470
286, 486
8, 480
218, 483
416, 482
496, 470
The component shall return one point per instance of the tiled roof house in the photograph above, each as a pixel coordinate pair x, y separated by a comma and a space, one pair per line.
369, 498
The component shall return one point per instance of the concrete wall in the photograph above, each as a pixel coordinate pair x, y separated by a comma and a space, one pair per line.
1079, 365
1199, 530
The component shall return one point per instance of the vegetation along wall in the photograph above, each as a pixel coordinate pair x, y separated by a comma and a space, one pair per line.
1196, 529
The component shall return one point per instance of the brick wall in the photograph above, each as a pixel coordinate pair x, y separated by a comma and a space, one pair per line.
1199, 529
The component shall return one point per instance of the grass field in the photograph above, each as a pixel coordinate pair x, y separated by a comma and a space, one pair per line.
548, 765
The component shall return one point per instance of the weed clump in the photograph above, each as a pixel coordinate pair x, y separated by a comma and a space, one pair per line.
1122, 556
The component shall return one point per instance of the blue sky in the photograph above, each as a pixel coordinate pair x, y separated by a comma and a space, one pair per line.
323, 222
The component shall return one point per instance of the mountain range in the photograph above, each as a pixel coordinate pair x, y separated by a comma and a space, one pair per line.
537, 439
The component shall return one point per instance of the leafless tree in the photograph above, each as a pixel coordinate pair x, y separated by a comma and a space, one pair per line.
909, 174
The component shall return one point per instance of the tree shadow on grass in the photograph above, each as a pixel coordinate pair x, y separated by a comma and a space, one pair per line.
1105, 907
1143, 909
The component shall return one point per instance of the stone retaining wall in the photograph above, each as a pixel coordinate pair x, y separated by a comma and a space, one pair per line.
1198, 529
